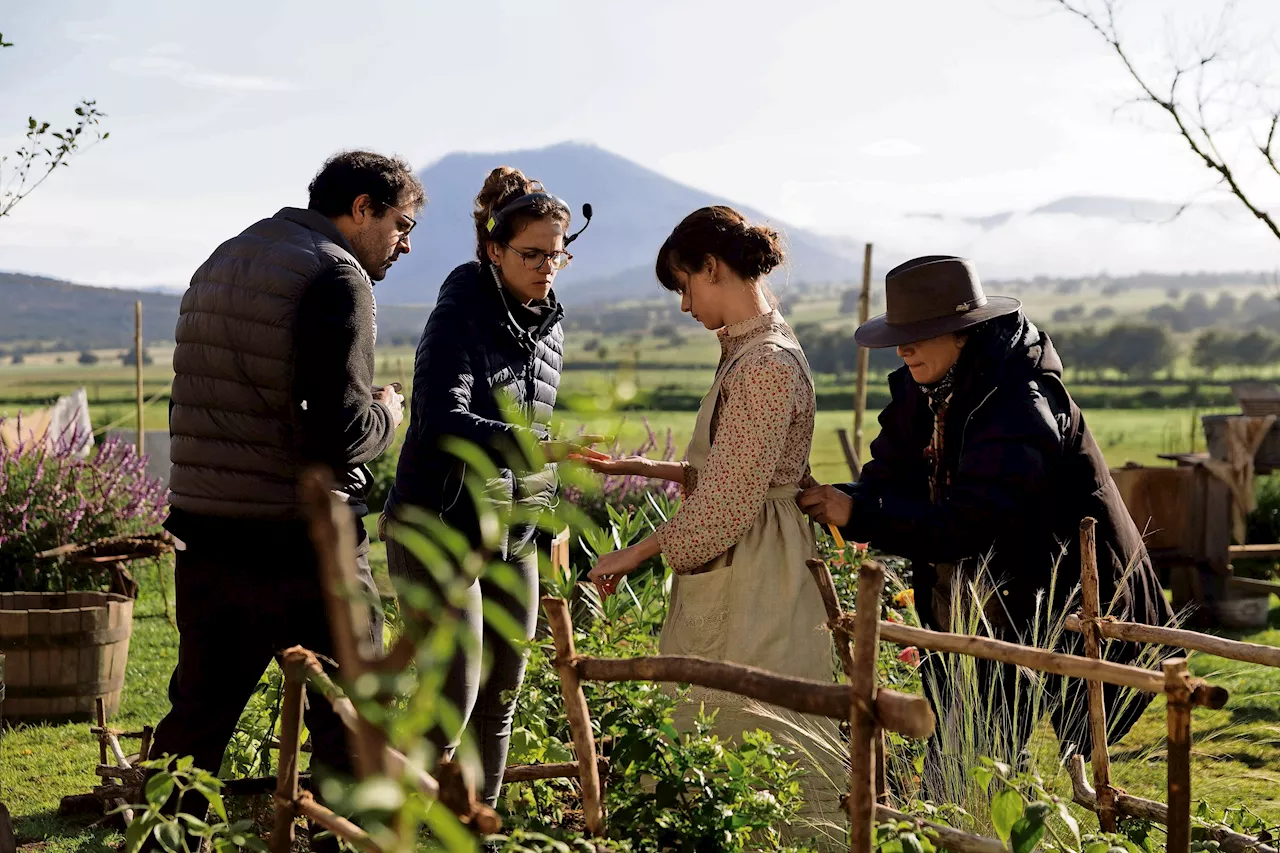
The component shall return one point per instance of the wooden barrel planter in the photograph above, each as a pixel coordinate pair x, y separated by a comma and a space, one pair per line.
63, 651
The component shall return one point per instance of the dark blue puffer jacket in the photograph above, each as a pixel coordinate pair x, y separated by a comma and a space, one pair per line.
475, 348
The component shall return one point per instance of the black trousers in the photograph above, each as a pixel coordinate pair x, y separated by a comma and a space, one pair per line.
239, 604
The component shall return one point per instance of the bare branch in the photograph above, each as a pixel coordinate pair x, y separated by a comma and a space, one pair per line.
1191, 123
45, 151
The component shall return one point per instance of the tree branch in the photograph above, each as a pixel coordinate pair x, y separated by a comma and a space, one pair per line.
1206, 147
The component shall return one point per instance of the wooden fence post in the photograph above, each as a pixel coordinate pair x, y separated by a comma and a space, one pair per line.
287, 772
862, 722
1178, 693
864, 357
333, 535
831, 602
584, 742
1091, 607
137, 357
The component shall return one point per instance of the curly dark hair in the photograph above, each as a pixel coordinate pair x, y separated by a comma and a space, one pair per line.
504, 185
350, 174
750, 250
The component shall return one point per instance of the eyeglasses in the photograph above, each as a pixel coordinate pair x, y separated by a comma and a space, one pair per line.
534, 259
403, 232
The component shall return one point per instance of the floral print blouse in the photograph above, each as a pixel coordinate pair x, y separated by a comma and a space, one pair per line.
760, 437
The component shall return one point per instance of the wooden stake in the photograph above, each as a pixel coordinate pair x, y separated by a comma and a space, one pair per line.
137, 357
850, 458
282, 831
584, 742
864, 356
831, 603
862, 721
101, 709
1092, 608
1178, 692
333, 534
144, 748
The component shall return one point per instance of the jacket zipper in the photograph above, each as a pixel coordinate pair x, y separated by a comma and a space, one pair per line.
964, 432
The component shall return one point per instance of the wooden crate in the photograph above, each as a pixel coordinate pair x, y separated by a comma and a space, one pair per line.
1183, 512
64, 651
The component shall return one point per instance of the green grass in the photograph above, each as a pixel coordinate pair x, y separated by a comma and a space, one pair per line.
1137, 435
40, 764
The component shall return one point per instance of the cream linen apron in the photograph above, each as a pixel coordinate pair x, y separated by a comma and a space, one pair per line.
756, 604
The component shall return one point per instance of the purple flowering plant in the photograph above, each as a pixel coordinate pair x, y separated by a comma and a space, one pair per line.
50, 496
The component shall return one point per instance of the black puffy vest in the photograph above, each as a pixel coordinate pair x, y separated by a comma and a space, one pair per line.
233, 431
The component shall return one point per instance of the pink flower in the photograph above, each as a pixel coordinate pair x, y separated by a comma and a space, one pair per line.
910, 655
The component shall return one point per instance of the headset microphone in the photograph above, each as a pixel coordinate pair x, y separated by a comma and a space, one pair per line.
586, 214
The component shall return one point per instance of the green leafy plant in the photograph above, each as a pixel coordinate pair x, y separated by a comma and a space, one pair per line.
175, 832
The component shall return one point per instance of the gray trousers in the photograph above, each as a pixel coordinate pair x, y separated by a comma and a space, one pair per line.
479, 700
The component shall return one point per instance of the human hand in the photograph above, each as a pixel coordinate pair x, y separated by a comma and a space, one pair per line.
826, 505
558, 450
390, 396
625, 465
611, 568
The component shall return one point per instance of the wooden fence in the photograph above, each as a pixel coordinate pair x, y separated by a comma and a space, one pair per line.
1181, 690
870, 710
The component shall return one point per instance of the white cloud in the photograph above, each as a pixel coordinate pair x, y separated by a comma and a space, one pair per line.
158, 64
890, 148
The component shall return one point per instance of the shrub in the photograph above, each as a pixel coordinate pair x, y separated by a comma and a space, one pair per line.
49, 497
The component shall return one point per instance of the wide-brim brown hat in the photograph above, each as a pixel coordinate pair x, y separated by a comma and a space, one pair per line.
931, 296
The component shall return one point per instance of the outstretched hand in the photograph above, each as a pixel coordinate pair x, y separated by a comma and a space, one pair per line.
557, 450
602, 464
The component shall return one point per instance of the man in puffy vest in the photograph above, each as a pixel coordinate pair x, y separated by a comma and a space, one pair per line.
274, 372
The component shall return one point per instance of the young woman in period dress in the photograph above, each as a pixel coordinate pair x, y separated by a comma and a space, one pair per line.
738, 543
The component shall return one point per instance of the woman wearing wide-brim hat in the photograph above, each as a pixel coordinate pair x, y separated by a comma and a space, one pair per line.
981, 474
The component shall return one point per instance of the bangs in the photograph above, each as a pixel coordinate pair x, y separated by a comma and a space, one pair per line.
666, 266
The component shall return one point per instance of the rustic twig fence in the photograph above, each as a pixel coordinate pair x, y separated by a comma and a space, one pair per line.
870, 710
1181, 690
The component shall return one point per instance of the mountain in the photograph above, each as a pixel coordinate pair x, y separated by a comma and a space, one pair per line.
47, 309
634, 210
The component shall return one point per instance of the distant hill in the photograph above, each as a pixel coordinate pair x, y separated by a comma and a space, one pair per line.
46, 309
1115, 209
634, 210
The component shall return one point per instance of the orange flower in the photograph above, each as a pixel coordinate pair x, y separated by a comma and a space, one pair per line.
905, 598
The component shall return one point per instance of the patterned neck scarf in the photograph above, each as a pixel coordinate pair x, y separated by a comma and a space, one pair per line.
939, 396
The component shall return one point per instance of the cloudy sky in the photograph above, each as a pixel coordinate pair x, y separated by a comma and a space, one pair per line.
842, 117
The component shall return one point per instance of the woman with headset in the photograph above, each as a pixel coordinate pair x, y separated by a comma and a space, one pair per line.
495, 333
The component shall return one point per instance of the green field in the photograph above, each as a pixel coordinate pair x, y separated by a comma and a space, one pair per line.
592, 397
